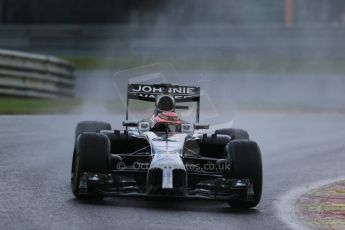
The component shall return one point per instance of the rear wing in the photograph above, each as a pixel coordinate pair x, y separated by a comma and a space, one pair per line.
146, 92
149, 92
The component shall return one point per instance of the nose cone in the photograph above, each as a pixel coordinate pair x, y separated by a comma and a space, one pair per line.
166, 172
167, 160
167, 179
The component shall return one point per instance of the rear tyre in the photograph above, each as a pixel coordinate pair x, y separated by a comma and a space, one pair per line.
235, 134
246, 164
90, 126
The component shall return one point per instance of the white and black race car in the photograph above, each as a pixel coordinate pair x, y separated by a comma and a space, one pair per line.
165, 156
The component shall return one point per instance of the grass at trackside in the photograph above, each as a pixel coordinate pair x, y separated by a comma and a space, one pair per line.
37, 106
23, 106
259, 65
27, 106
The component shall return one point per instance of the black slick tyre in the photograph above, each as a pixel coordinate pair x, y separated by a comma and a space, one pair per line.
246, 164
89, 153
91, 156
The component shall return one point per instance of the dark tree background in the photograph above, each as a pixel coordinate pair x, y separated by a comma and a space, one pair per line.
175, 11
72, 11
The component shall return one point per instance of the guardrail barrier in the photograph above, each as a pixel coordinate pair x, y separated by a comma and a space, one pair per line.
33, 75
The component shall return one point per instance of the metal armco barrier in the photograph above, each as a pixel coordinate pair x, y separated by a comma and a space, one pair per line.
32, 75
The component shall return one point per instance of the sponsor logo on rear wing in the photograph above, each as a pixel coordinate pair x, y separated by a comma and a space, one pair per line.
148, 92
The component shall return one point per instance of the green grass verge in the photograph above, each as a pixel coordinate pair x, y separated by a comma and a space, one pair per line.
37, 106
251, 64
23, 106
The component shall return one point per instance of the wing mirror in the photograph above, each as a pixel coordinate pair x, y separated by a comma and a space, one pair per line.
201, 126
144, 126
182, 107
129, 123
186, 128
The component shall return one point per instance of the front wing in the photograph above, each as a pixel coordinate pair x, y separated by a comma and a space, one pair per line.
195, 184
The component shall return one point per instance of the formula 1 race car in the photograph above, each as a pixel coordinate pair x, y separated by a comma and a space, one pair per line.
165, 156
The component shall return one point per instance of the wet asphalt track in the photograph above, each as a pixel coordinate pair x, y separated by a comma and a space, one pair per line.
35, 157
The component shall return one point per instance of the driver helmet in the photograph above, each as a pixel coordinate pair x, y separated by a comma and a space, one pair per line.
169, 118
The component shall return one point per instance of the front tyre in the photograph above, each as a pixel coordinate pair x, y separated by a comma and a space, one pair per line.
82, 127
246, 164
91, 155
